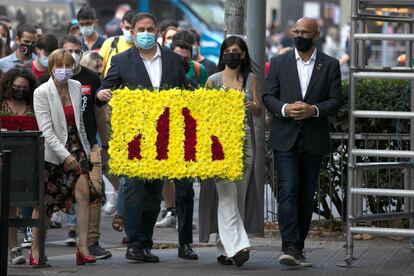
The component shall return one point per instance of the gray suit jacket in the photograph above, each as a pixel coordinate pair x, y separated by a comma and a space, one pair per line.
324, 91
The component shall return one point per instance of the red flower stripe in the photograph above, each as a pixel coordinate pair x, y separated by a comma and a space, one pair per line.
190, 134
163, 129
18, 122
216, 149
134, 148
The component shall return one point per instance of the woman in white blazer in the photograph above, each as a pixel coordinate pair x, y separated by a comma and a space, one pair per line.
57, 106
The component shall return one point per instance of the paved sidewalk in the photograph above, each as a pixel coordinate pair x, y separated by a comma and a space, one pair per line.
376, 257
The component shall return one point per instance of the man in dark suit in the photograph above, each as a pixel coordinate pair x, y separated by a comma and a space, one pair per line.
303, 88
146, 65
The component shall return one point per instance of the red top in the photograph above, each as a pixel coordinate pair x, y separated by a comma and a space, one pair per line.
36, 72
70, 115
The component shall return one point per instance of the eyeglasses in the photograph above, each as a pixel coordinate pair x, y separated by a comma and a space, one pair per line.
303, 33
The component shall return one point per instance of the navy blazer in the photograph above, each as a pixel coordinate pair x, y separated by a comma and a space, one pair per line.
128, 70
324, 91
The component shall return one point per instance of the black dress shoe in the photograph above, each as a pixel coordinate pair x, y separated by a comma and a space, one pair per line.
149, 257
186, 252
133, 253
224, 260
141, 255
241, 257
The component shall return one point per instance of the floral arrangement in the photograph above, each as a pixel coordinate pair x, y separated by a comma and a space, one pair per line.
18, 122
177, 133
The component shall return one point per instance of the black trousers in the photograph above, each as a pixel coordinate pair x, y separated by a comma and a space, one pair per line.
184, 202
142, 205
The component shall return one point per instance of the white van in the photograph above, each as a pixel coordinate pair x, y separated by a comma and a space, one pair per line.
51, 15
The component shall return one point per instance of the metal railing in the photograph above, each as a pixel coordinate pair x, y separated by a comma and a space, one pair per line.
331, 196
356, 188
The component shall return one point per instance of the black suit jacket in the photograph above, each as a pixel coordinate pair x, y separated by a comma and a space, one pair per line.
128, 70
324, 91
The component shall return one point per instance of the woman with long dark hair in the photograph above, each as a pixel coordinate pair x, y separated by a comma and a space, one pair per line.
5, 40
236, 200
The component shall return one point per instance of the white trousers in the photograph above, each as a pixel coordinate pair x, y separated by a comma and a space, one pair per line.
232, 235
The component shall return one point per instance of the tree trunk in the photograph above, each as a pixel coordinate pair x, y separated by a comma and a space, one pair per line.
234, 17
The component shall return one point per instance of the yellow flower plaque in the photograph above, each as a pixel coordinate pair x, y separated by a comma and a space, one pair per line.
177, 133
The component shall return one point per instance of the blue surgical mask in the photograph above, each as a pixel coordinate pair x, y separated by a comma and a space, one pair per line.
127, 36
145, 40
44, 61
88, 30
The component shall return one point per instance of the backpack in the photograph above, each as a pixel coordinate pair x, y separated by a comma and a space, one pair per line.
197, 70
114, 46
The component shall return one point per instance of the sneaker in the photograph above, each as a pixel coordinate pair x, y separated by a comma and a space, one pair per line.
110, 206
169, 220
16, 256
71, 240
304, 262
27, 240
98, 252
290, 257
163, 213
55, 221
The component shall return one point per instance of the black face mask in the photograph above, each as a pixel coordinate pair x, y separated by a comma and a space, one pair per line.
232, 60
26, 49
303, 44
186, 66
19, 94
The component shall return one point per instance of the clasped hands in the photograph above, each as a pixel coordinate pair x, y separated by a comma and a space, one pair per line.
299, 110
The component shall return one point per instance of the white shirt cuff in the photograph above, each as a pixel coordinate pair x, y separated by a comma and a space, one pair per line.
317, 111
283, 110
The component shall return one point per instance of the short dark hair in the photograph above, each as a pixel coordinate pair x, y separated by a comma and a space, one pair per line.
141, 16
182, 44
128, 16
49, 43
25, 28
167, 23
196, 35
184, 35
86, 12
69, 39
10, 76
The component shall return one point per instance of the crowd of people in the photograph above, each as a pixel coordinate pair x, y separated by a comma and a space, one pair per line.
66, 82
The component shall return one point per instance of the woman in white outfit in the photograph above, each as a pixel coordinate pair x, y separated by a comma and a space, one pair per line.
235, 71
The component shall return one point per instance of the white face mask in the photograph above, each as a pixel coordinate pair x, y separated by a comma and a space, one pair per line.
77, 59
127, 35
87, 30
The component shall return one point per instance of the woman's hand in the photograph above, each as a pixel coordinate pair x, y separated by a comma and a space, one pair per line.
71, 164
250, 105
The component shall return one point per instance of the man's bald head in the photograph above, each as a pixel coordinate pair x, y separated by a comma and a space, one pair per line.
307, 22
306, 29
